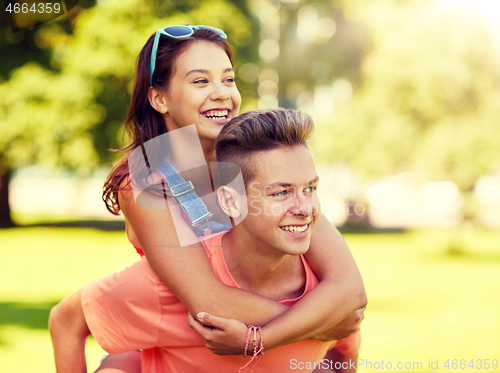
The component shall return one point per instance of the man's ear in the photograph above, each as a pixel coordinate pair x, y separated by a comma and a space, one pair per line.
158, 100
229, 201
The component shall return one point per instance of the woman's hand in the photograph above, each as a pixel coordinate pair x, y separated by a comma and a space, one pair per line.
222, 336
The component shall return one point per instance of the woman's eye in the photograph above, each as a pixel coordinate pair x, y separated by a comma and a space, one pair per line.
201, 81
229, 80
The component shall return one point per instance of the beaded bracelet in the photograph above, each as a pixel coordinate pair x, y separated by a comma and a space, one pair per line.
249, 331
261, 344
257, 351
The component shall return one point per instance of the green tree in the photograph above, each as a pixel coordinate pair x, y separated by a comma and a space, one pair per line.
318, 43
33, 98
429, 96
67, 109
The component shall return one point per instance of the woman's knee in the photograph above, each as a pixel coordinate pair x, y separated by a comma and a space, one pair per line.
68, 315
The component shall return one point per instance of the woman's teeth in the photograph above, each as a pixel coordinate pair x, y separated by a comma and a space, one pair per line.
217, 114
295, 228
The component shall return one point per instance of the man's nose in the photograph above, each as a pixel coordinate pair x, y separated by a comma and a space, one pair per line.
302, 205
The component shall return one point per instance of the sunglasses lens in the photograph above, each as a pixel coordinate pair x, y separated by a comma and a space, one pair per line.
178, 31
218, 31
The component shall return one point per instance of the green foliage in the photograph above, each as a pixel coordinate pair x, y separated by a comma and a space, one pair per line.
65, 89
45, 119
72, 117
428, 100
305, 62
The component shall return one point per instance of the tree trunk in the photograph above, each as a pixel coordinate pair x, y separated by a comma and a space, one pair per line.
5, 219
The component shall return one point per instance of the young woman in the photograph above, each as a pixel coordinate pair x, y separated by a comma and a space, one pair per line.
185, 76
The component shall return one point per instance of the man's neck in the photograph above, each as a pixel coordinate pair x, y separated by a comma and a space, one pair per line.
255, 268
208, 150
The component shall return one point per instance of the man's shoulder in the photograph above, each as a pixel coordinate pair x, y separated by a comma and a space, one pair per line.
212, 243
213, 247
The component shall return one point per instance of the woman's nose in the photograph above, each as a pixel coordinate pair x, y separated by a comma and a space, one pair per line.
220, 93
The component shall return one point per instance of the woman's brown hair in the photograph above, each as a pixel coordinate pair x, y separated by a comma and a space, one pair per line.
144, 123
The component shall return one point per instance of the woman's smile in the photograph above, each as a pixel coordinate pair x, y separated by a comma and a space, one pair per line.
202, 91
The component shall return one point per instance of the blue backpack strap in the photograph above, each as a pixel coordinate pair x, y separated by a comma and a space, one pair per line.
190, 202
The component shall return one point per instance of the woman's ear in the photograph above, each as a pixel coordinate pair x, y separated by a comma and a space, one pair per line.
229, 202
158, 100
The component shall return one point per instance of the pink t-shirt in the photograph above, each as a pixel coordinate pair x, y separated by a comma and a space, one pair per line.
133, 309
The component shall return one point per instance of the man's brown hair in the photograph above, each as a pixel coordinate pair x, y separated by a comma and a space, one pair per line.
259, 130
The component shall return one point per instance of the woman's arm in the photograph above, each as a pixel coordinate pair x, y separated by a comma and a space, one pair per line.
333, 309
187, 272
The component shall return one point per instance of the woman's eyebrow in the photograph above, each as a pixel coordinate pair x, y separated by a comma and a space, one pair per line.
203, 71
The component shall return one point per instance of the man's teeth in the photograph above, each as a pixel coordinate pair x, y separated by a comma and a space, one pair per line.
216, 114
294, 228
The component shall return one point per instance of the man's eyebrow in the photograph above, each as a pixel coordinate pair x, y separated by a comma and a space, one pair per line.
203, 71
278, 184
286, 185
315, 180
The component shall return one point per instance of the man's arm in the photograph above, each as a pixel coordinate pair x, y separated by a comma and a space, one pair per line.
69, 332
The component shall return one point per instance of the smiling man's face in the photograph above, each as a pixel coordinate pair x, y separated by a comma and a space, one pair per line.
283, 206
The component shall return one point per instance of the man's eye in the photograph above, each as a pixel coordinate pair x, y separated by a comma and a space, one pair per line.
310, 189
280, 194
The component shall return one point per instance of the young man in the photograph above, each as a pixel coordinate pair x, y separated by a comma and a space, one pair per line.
261, 254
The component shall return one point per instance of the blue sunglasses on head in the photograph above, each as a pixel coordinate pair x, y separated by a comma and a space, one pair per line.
176, 32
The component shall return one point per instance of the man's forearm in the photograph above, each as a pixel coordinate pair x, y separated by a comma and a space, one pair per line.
69, 332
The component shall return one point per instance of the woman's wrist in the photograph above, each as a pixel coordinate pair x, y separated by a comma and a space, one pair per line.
269, 336
254, 344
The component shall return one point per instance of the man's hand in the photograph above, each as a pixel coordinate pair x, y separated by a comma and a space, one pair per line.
343, 329
222, 336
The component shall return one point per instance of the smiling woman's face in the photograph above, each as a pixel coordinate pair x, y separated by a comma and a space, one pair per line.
202, 91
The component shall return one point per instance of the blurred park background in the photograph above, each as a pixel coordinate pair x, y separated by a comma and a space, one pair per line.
405, 96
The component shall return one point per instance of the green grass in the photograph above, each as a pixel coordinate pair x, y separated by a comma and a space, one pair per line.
39, 266
433, 294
